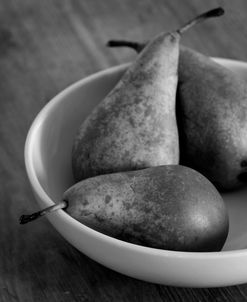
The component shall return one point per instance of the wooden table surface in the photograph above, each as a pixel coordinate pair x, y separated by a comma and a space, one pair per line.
44, 47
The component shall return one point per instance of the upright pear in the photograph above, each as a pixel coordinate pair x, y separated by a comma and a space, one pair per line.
212, 118
212, 114
135, 125
167, 207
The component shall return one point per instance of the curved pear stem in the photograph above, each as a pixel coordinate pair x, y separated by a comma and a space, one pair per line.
27, 218
139, 46
209, 14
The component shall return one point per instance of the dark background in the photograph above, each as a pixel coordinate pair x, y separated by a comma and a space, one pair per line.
44, 47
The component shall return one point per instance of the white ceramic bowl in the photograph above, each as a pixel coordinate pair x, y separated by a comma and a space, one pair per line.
48, 164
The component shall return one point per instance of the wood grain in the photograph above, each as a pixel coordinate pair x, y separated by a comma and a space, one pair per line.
44, 47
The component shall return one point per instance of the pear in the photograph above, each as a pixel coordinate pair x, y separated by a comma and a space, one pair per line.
212, 114
167, 207
135, 126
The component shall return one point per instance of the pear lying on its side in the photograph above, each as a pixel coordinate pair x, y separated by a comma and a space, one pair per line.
168, 207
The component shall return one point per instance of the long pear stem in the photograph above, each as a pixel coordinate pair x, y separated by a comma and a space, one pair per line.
27, 218
209, 14
139, 46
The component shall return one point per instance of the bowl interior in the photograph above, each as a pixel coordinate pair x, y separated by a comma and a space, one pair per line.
55, 128
51, 137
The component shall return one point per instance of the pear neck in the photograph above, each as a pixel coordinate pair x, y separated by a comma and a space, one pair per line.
161, 53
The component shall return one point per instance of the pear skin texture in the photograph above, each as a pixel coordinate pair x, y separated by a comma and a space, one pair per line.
212, 120
135, 126
167, 207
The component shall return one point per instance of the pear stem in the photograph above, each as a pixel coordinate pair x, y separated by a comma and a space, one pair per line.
209, 14
27, 218
121, 43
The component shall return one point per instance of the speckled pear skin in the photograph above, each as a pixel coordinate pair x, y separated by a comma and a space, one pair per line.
212, 119
167, 207
135, 126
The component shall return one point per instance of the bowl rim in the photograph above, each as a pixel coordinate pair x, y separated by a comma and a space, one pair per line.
38, 189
